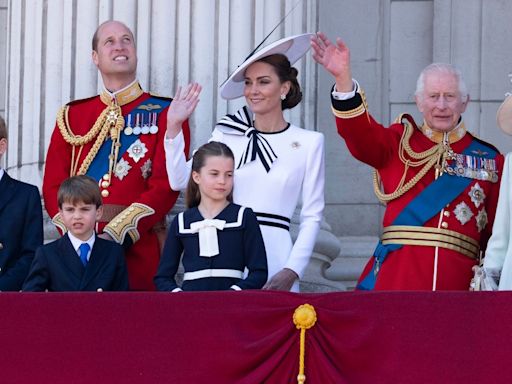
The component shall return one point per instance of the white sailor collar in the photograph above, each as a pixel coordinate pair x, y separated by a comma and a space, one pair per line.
232, 216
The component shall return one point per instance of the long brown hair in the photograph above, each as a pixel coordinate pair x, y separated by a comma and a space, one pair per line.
213, 148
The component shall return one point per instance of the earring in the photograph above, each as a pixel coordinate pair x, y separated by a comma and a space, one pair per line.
283, 96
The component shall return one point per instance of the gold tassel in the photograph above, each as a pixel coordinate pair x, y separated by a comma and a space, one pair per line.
304, 318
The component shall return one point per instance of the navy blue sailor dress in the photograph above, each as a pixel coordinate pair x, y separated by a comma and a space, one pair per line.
239, 246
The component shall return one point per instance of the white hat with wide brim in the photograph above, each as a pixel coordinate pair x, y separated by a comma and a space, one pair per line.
293, 47
504, 116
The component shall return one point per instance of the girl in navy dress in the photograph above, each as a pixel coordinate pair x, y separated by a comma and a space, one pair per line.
219, 240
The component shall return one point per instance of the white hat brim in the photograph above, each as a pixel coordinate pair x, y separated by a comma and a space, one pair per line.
293, 47
504, 116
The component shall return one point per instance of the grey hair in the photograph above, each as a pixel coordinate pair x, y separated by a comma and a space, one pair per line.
442, 68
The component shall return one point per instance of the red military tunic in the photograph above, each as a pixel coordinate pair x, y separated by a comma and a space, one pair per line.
136, 193
429, 263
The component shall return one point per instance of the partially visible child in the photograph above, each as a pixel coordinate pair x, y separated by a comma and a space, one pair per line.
218, 239
21, 225
79, 260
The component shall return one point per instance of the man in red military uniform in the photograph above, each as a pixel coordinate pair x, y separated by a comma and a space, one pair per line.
117, 138
440, 184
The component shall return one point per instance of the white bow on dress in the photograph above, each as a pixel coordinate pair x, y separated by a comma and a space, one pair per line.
208, 241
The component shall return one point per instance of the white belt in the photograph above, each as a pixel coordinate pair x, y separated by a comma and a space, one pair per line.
234, 273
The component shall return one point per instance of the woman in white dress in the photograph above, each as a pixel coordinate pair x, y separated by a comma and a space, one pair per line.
497, 267
277, 163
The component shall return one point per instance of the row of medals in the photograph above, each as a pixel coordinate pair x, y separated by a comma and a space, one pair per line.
463, 168
141, 126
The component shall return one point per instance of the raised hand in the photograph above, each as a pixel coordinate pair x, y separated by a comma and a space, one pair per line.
184, 103
335, 59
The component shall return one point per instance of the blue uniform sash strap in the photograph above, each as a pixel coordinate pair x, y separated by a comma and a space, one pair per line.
422, 208
144, 114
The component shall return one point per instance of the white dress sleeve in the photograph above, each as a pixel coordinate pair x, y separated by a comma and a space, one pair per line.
312, 208
177, 166
498, 255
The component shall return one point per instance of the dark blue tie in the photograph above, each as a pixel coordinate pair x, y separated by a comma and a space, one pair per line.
84, 250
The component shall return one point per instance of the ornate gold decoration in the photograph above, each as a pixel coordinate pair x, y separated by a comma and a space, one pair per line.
59, 223
125, 223
437, 157
304, 318
110, 121
357, 111
149, 107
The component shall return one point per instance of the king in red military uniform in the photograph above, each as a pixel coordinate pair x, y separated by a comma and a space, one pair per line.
117, 138
440, 184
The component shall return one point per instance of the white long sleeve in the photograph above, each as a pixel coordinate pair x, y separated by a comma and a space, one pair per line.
177, 166
498, 254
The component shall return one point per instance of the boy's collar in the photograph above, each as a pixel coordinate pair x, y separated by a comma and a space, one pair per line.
76, 242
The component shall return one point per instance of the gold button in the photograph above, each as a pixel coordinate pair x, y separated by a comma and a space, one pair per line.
105, 184
106, 176
104, 193
99, 290
444, 224
446, 213
1, 246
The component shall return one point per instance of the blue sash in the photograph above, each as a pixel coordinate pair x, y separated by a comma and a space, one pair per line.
99, 165
423, 207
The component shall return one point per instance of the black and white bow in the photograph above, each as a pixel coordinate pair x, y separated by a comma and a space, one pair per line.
241, 124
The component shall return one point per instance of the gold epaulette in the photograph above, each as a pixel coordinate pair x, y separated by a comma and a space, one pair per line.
126, 222
59, 223
354, 112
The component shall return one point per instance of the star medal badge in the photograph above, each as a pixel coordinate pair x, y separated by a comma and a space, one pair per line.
137, 150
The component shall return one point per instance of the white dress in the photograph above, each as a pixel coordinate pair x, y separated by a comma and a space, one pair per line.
498, 255
297, 173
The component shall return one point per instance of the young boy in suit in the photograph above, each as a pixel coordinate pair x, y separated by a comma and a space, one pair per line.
79, 260
21, 225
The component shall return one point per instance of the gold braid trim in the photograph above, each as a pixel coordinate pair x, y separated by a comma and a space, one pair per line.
59, 223
126, 222
433, 157
349, 114
357, 111
109, 121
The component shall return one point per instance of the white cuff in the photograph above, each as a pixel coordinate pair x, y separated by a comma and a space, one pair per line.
345, 95
177, 290
235, 288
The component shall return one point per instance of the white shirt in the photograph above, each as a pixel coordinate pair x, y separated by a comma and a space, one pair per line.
345, 95
76, 242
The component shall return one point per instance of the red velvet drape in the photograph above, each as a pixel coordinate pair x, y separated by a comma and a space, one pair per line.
249, 337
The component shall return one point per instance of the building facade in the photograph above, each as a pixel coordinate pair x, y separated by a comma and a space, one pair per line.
45, 61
